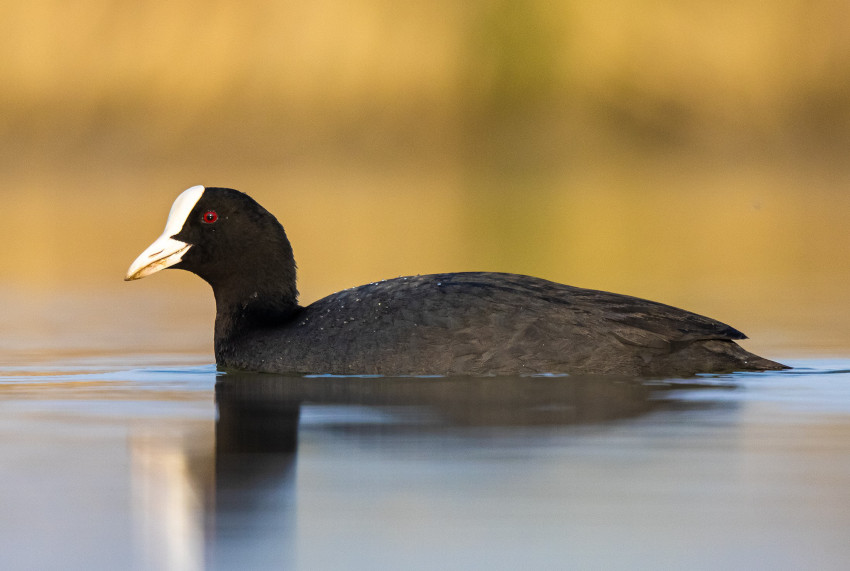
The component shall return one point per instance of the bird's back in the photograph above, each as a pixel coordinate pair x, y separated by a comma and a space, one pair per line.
491, 323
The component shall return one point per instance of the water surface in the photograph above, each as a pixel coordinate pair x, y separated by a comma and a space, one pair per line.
160, 461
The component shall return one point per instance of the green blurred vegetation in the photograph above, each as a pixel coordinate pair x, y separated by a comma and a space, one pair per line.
692, 152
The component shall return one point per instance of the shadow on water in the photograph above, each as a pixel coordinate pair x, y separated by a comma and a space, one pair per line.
260, 412
257, 430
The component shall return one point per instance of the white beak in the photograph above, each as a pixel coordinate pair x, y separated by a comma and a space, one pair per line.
166, 251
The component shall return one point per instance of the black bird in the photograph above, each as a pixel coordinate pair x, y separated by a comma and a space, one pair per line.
475, 323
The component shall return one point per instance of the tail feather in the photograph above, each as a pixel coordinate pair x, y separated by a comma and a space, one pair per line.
718, 356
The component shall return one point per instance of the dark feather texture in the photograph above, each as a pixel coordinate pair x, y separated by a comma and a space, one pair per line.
454, 324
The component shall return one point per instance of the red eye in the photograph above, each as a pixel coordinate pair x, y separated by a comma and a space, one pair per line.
209, 217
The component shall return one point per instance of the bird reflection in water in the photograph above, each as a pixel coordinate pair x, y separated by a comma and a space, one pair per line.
260, 405
250, 512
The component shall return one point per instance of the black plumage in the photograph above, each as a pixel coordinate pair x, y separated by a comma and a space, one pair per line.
473, 323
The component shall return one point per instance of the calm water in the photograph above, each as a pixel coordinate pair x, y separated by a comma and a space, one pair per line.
157, 461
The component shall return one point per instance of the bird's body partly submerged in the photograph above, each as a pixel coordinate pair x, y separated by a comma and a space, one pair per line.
473, 323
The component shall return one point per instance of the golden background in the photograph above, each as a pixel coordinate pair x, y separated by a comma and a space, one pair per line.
694, 153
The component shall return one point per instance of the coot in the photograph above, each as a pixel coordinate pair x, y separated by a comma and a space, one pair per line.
474, 323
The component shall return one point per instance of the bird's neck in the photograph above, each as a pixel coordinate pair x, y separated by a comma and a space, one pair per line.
241, 308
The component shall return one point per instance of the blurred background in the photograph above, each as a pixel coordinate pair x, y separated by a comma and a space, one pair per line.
688, 152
